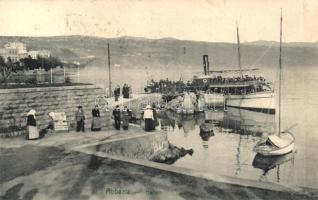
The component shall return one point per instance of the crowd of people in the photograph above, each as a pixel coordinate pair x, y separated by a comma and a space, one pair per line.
165, 85
238, 79
121, 117
34, 133
126, 91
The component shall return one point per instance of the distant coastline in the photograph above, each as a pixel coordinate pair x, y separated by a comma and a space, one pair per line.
142, 52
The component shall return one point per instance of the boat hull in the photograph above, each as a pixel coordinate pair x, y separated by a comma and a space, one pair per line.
215, 99
265, 149
262, 102
248, 122
277, 152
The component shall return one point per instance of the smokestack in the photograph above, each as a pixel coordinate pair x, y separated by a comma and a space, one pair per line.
206, 66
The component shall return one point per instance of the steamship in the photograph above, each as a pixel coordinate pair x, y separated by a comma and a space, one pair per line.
235, 88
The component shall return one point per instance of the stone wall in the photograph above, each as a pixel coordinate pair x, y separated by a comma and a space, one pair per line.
140, 147
15, 103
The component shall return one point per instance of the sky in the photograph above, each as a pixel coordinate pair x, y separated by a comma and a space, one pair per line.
200, 20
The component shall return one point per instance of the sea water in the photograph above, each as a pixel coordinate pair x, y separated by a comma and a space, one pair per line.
229, 151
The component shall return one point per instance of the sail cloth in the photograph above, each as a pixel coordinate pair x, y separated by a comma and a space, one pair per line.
277, 141
188, 102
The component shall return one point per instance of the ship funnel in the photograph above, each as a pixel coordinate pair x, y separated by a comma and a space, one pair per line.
206, 66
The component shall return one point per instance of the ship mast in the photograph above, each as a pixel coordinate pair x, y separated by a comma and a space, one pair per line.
280, 73
109, 71
238, 49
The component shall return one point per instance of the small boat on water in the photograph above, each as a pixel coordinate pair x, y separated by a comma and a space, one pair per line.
187, 104
276, 144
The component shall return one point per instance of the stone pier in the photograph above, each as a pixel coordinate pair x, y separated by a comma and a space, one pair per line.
15, 103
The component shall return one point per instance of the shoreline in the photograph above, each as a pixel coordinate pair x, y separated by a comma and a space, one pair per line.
75, 144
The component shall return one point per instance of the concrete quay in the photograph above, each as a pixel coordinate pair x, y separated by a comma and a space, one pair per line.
60, 166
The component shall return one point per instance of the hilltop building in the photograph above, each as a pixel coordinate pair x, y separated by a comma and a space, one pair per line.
18, 50
40, 53
18, 46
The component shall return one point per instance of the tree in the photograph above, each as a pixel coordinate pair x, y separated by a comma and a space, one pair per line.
7, 67
28, 63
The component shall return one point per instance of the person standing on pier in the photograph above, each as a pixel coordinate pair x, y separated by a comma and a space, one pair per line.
148, 117
32, 130
117, 92
96, 124
125, 91
125, 116
116, 115
80, 119
155, 118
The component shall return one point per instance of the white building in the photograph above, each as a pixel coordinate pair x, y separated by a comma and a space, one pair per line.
33, 54
18, 50
14, 50
44, 53
39, 53
19, 46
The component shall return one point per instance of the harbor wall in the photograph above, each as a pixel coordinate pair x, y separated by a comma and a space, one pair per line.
135, 147
15, 103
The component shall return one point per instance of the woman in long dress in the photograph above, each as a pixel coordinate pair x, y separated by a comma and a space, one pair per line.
96, 123
32, 130
125, 117
148, 117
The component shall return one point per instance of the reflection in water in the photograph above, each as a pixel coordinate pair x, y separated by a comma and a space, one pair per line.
300, 106
234, 133
238, 164
247, 122
185, 122
166, 123
206, 131
95, 161
266, 163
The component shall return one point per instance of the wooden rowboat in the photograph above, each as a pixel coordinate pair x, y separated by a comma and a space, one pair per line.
274, 145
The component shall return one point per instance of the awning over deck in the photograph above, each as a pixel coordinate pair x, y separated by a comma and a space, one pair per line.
229, 85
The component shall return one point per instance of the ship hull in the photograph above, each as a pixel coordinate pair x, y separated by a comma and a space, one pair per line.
261, 102
215, 99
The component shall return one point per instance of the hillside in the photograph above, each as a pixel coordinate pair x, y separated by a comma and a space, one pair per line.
169, 52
